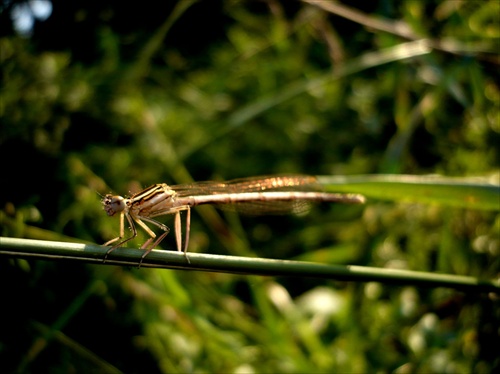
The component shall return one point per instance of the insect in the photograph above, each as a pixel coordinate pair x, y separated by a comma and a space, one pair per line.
255, 195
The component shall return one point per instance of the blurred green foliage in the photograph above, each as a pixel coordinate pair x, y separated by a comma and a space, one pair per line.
103, 97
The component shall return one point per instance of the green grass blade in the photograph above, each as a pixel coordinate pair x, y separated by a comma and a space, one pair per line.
26, 248
472, 193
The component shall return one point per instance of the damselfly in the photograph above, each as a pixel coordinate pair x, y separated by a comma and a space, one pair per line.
255, 195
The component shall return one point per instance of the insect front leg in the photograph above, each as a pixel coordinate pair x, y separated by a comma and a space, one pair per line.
122, 234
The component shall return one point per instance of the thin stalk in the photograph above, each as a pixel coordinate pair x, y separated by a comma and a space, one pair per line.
49, 250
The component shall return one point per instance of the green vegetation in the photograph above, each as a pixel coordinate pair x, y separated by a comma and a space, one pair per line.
374, 99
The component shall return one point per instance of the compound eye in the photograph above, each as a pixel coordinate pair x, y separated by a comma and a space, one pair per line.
113, 204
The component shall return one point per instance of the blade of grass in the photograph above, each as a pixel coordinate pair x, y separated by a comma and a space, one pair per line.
26, 248
40, 343
472, 193
98, 362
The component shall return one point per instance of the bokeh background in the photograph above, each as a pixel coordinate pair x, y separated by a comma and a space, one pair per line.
107, 96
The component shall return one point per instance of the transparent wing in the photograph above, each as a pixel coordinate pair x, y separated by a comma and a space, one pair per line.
255, 184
